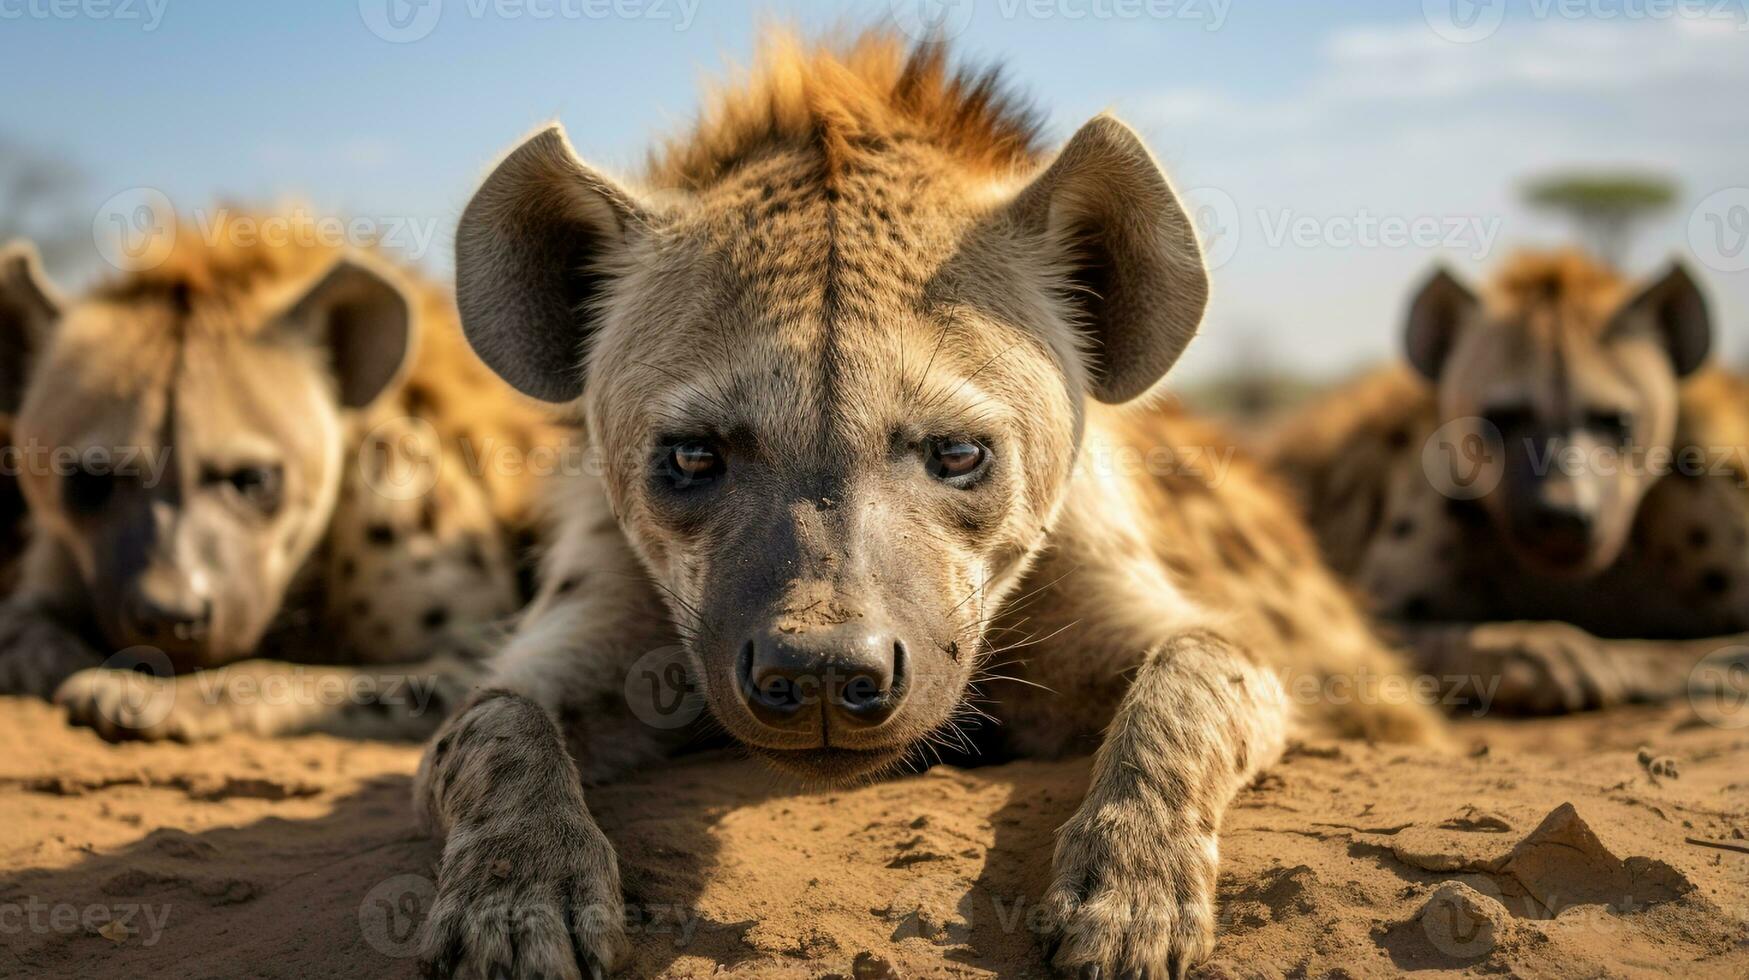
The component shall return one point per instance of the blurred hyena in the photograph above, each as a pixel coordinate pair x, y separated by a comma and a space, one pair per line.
1553, 492
258, 448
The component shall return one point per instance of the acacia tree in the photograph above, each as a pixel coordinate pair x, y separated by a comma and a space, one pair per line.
1606, 208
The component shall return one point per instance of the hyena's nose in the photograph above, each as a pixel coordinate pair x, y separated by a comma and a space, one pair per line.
160, 612
850, 675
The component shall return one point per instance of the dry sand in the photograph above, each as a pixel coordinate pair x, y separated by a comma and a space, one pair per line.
1560, 850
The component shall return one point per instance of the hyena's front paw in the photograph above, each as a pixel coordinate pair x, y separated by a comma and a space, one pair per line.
37, 653
126, 705
1553, 668
1132, 893
536, 898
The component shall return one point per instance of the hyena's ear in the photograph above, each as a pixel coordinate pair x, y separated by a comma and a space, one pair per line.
1136, 273
361, 316
29, 307
1673, 310
1437, 313
531, 259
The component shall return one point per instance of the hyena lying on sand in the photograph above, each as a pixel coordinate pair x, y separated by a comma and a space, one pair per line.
256, 449
848, 359
1553, 491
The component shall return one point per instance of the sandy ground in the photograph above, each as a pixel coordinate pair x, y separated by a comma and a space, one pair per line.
1597, 846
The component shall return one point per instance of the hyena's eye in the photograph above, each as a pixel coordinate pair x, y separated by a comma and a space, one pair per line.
259, 486
958, 462
85, 492
1610, 425
692, 462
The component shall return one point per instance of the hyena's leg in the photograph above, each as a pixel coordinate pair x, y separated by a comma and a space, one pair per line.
1134, 873
271, 698
38, 648
528, 885
37, 652
1552, 668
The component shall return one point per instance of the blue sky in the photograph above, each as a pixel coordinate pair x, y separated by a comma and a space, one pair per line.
1335, 151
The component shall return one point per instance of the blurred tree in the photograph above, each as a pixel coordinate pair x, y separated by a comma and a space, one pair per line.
1604, 206
39, 200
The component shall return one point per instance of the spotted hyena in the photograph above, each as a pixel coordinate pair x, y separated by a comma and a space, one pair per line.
255, 452
853, 353
1553, 491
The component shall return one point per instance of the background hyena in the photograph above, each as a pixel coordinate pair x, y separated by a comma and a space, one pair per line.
849, 357
255, 449
1557, 477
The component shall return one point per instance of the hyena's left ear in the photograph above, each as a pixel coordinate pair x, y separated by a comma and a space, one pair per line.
532, 259
1673, 310
360, 315
29, 308
1136, 273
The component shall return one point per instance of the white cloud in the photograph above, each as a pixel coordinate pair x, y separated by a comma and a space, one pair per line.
1395, 121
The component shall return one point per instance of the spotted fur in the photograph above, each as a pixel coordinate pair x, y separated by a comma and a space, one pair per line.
1370, 460
857, 251
396, 548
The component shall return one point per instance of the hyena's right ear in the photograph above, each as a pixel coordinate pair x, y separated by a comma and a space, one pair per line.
29, 308
1439, 311
531, 260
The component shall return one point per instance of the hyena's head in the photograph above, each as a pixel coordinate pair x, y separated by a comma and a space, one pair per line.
834, 355
1565, 383
179, 429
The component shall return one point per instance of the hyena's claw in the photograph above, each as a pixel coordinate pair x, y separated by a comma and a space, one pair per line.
1126, 904
526, 902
